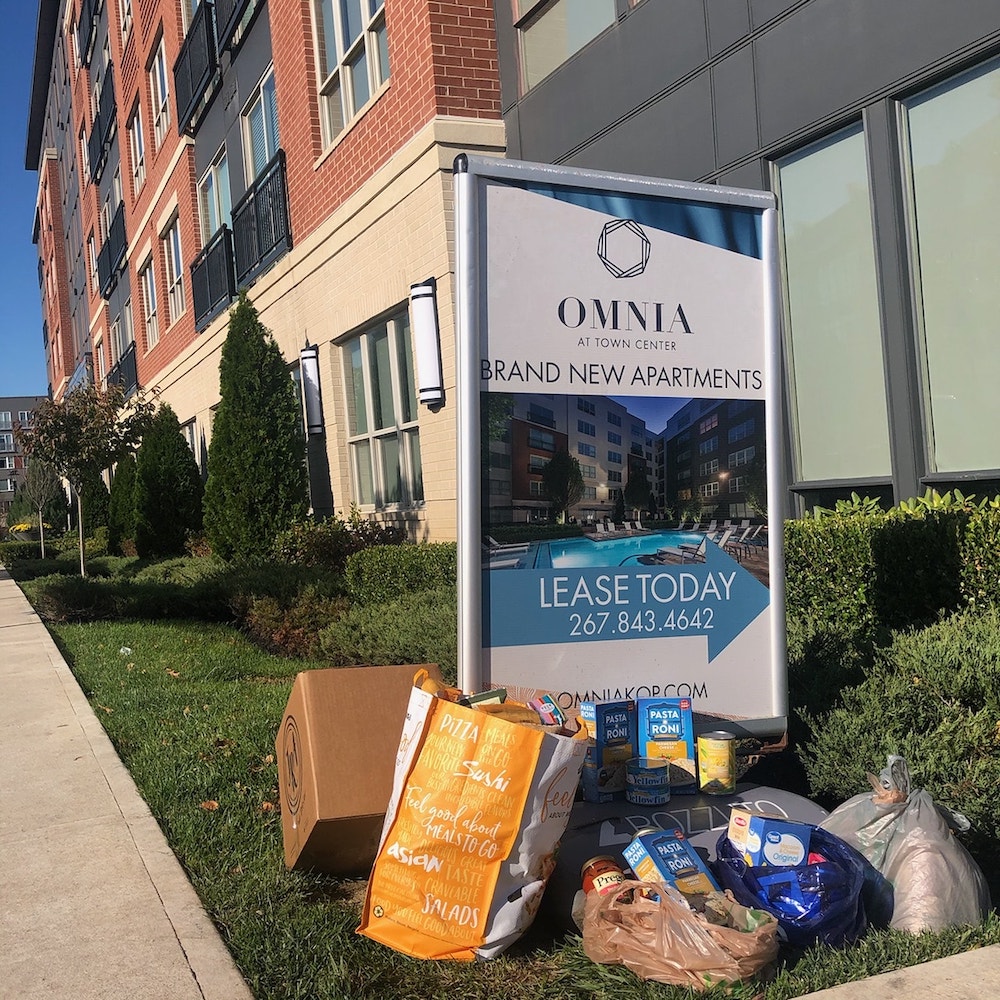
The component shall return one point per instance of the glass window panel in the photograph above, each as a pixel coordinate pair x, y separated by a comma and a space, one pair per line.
382, 41
208, 203
563, 28
269, 98
334, 106
358, 68
327, 37
954, 146
363, 466
836, 364
225, 199
405, 364
258, 138
356, 391
382, 409
412, 439
392, 479
350, 14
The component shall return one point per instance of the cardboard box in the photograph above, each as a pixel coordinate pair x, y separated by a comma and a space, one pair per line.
764, 840
666, 730
336, 751
611, 725
665, 856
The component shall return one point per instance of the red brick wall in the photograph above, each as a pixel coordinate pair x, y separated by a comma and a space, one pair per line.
443, 61
52, 252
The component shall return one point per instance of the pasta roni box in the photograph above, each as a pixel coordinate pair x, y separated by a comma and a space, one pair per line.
765, 840
666, 730
611, 726
665, 856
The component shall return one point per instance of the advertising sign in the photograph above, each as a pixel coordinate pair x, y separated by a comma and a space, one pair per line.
617, 398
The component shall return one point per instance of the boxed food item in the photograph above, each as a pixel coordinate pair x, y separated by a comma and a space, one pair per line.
666, 730
665, 856
763, 839
612, 747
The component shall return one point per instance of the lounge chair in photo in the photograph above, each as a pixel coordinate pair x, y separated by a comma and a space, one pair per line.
600, 528
738, 546
712, 525
759, 537
638, 525
505, 562
496, 546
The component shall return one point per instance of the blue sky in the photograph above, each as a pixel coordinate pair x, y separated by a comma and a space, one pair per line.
22, 358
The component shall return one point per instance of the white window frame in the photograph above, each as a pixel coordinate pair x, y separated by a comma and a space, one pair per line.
159, 94
92, 254
147, 280
368, 445
125, 16
7, 441
214, 196
173, 259
137, 149
339, 102
253, 170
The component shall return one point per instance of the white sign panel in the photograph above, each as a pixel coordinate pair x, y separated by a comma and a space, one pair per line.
622, 327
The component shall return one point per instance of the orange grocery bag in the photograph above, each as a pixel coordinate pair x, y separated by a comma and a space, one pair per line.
478, 807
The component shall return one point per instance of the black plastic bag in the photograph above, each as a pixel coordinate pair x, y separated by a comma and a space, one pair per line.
812, 902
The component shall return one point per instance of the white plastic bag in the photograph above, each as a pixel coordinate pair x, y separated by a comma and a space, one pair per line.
936, 883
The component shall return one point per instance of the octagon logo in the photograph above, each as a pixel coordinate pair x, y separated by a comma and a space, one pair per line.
623, 248
292, 759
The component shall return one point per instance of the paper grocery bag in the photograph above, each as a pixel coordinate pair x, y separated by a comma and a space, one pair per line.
469, 840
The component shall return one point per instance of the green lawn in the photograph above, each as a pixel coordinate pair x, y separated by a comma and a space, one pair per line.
193, 709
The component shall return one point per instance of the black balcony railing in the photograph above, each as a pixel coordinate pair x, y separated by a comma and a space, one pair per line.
100, 134
228, 16
261, 233
112, 253
213, 284
196, 66
86, 28
124, 373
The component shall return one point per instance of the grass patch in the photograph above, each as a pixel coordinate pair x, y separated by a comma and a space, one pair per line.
193, 709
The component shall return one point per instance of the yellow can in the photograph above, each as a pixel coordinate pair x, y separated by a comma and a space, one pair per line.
717, 762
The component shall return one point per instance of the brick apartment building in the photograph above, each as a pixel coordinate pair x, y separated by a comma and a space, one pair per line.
302, 151
14, 411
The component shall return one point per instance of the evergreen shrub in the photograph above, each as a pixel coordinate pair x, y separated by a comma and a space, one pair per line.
121, 505
416, 627
384, 572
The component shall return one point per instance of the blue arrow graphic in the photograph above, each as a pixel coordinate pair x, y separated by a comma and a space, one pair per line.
716, 598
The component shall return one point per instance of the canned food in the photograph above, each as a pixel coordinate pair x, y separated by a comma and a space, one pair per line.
601, 874
647, 781
717, 762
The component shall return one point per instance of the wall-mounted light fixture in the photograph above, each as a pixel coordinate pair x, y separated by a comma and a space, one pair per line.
427, 342
309, 369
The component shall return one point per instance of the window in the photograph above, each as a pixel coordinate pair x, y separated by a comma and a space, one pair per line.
588, 471
551, 31
615, 457
833, 321
738, 406
709, 445
541, 439
638, 431
707, 468
536, 488
587, 450
25, 417
262, 138
614, 476
6, 462
537, 463
353, 54
585, 427
188, 7
84, 156
159, 94
190, 432
952, 145
614, 418
589, 493
213, 197
541, 415
499, 488
709, 423
683, 456
708, 490
741, 431
737, 484
137, 149
175, 269
6, 442
614, 437
7, 485
5, 422
147, 279
684, 475
744, 457
125, 16
102, 371
92, 261
384, 441
586, 405
683, 494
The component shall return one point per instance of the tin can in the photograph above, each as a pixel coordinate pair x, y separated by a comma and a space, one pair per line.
717, 762
647, 781
601, 874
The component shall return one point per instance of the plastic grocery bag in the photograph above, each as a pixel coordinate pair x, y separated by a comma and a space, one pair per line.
936, 883
811, 902
478, 807
650, 928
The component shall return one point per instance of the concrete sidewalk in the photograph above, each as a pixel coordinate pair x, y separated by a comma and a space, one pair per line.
93, 903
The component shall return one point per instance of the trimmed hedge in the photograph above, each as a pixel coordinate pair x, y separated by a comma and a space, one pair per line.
385, 572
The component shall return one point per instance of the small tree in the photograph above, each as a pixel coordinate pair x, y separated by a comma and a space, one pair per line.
82, 435
256, 461
42, 486
121, 507
755, 484
637, 491
562, 480
618, 510
168, 489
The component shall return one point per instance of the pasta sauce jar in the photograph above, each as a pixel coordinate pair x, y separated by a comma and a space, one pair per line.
601, 874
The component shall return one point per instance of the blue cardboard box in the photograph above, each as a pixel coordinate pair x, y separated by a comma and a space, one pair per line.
611, 725
764, 840
666, 856
666, 730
